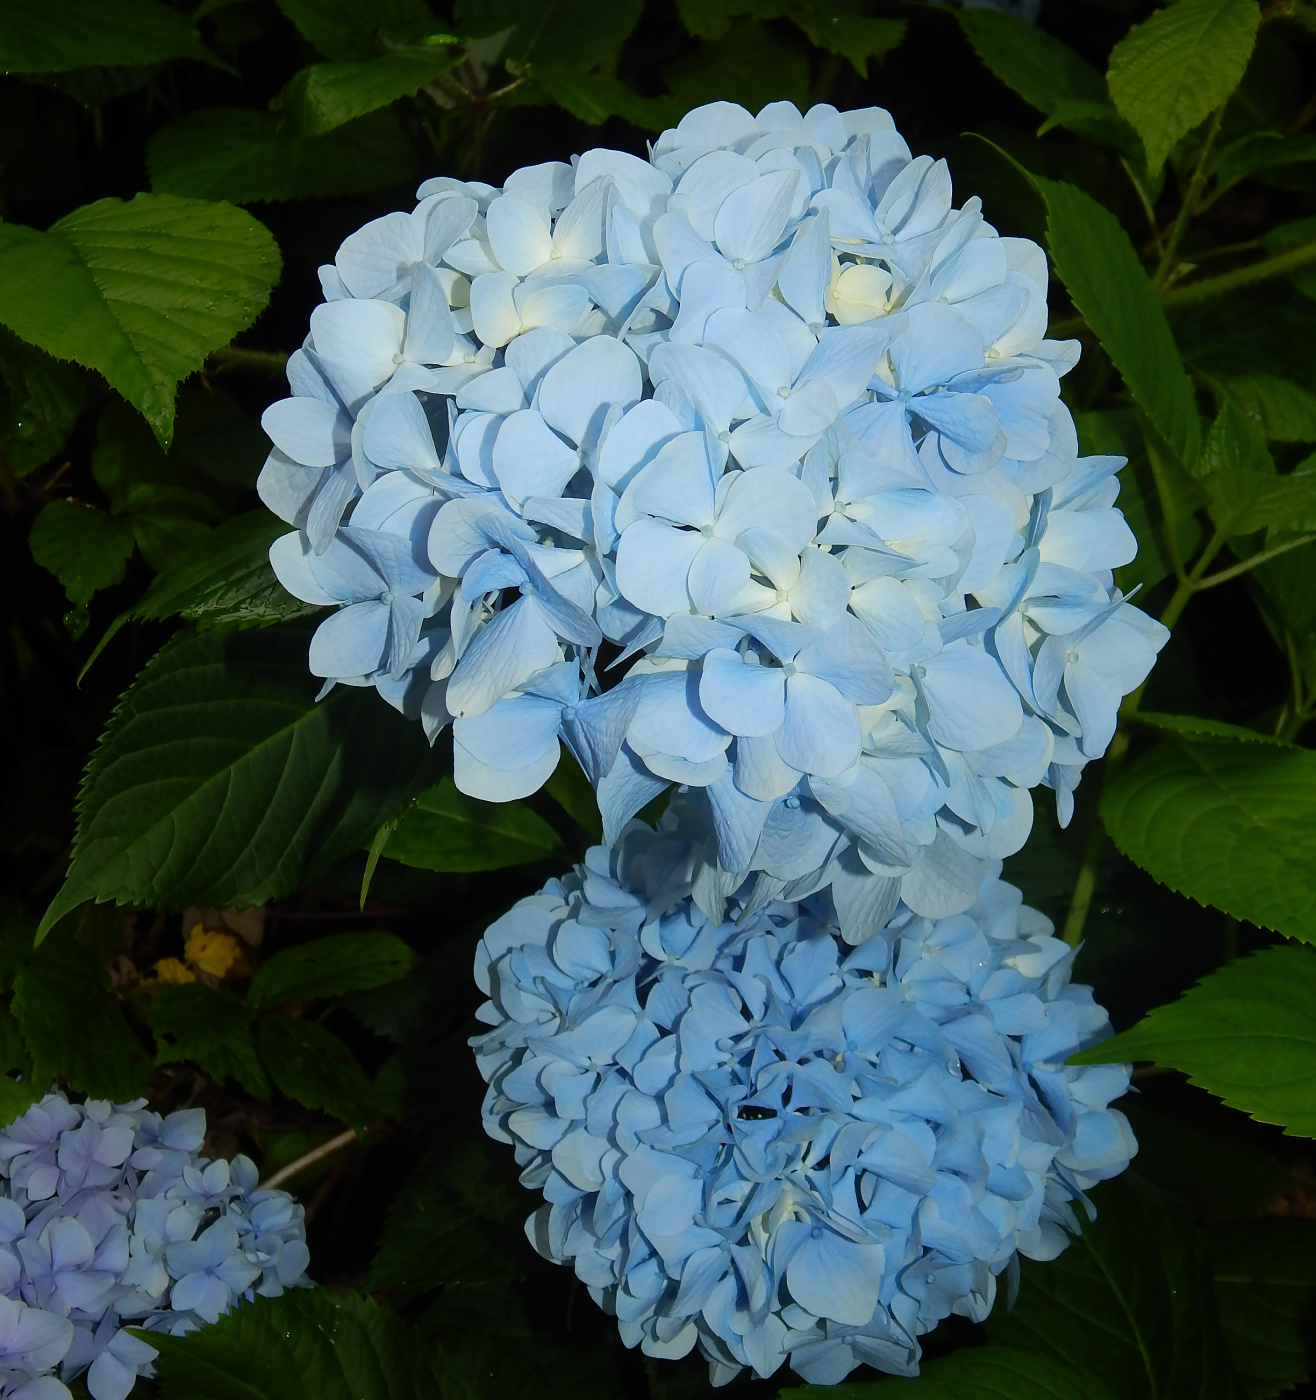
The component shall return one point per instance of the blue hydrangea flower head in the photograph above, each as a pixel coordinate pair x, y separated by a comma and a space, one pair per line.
758, 1137
742, 467
111, 1218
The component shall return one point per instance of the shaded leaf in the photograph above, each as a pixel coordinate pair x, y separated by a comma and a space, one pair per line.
1265, 1288
40, 401
435, 1232
840, 29
1103, 275
140, 291
344, 29
250, 157
328, 95
1195, 724
86, 548
973, 1373
1048, 75
39, 37
1227, 823
574, 793
212, 1029
446, 830
306, 1345
1128, 1303
594, 98
223, 580
574, 33
748, 64
1246, 1033
1278, 409
328, 967
1171, 72
221, 782
313, 1067
61, 985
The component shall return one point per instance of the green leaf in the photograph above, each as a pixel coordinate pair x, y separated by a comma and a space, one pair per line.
436, 1232
63, 985
839, 29
212, 1029
84, 547
344, 29
972, 1373
39, 37
328, 967
446, 830
306, 1345
1246, 1033
1244, 493
1129, 1303
1195, 724
1279, 410
140, 291
1044, 71
593, 98
251, 157
224, 580
1101, 271
328, 95
573, 792
40, 401
220, 781
1260, 151
748, 64
313, 1067
573, 33
1171, 72
1265, 1288
1227, 823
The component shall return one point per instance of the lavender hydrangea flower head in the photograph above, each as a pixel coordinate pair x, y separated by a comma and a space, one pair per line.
110, 1219
744, 467
757, 1138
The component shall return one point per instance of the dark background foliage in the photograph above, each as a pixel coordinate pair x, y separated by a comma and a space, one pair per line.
329, 1003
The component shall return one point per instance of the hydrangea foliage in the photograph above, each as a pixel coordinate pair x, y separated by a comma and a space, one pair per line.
758, 1139
111, 1220
744, 468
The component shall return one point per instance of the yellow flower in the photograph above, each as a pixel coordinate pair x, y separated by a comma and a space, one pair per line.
171, 972
217, 952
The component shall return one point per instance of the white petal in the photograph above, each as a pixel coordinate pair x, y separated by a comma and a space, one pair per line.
380, 254
653, 560
577, 392
290, 558
743, 699
518, 233
515, 733
972, 704
477, 779
493, 310
398, 435
939, 343
718, 573
773, 501
818, 597
356, 342
820, 733
430, 334
751, 221
678, 485
505, 652
643, 189
705, 186
633, 441
670, 720
529, 459
310, 431
351, 642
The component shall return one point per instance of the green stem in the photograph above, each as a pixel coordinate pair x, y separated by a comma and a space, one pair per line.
1278, 266
1146, 206
1252, 561
1086, 883
1196, 184
237, 357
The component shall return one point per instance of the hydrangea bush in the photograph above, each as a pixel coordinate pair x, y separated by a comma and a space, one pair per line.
742, 468
111, 1220
755, 1138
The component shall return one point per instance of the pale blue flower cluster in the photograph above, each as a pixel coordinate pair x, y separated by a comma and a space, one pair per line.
743, 468
755, 1138
111, 1220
